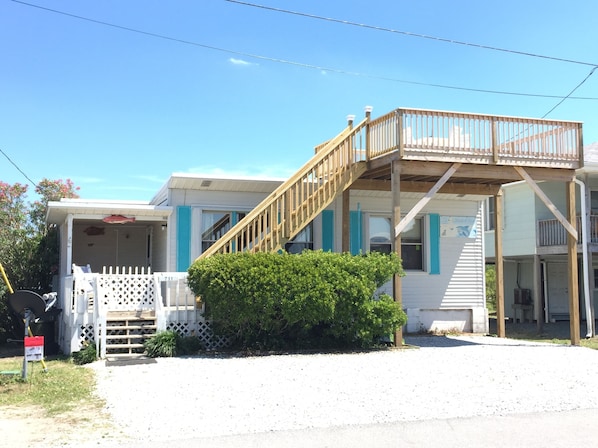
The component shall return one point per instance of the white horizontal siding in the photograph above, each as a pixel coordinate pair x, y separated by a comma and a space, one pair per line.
460, 283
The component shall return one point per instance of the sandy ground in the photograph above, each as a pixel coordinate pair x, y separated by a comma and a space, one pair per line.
28, 427
487, 376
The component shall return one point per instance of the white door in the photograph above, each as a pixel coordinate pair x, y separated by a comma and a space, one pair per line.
558, 290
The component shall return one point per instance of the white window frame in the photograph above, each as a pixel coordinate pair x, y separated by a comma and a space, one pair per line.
422, 219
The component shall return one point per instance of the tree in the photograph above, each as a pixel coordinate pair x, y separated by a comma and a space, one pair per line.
28, 247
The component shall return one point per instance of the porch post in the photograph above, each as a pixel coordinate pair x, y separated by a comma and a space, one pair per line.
499, 266
396, 205
572, 261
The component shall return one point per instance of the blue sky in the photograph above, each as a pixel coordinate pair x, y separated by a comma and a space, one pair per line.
118, 111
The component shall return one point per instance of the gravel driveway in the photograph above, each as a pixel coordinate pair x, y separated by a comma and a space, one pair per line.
446, 377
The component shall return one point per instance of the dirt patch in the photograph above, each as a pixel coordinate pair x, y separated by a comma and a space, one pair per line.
29, 426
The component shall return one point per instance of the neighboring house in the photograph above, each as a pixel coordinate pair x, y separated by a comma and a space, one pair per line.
535, 247
411, 181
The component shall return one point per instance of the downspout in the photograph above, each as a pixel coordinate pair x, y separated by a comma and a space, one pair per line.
584, 250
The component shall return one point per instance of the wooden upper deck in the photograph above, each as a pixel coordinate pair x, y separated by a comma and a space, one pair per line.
473, 138
478, 152
488, 146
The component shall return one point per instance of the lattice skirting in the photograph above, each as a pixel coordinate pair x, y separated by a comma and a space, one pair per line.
203, 330
86, 334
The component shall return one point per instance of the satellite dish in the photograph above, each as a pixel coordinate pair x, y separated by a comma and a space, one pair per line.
21, 300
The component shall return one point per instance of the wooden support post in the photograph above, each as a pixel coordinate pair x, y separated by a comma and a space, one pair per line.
499, 266
396, 204
573, 272
368, 116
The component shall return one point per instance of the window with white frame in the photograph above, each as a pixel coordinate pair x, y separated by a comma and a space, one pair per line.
412, 246
412, 243
302, 241
214, 224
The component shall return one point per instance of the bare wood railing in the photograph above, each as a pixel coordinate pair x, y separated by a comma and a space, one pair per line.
293, 205
552, 233
493, 139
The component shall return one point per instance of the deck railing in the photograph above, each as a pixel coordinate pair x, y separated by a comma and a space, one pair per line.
294, 204
451, 136
552, 233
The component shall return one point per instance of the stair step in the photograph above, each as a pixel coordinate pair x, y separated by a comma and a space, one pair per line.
128, 336
127, 356
145, 314
113, 346
130, 327
133, 320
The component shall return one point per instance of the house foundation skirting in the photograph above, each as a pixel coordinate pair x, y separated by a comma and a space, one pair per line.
461, 320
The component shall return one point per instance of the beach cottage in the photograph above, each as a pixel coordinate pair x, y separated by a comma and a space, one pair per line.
411, 181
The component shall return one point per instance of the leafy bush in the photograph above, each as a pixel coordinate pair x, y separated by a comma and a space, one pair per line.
312, 300
169, 343
86, 355
164, 344
189, 345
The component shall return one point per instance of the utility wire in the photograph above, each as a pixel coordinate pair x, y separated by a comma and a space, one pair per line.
294, 63
571, 93
17, 167
408, 33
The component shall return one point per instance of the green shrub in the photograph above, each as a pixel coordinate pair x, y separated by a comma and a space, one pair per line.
190, 345
86, 355
312, 300
164, 344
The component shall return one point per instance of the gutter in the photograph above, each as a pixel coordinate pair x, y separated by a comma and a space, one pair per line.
584, 249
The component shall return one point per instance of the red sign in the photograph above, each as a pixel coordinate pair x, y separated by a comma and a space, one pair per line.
34, 348
34, 341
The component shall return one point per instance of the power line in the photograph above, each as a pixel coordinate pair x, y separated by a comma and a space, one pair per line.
294, 63
408, 33
19, 169
572, 91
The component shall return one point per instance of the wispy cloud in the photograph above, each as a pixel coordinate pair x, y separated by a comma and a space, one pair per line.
262, 172
154, 179
240, 62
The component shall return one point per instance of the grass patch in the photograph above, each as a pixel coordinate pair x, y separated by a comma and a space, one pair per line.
588, 343
63, 388
551, 333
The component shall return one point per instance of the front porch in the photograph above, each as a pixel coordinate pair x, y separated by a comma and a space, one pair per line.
119, 308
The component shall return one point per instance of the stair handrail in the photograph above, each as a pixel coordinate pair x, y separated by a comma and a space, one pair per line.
322, 153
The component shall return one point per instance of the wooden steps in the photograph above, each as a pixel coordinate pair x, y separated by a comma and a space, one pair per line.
127, 331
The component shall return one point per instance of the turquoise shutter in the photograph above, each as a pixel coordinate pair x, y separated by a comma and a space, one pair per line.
183, 238
328, 230
434, 243
355, 232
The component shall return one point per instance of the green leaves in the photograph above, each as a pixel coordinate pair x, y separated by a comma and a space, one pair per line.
315, 299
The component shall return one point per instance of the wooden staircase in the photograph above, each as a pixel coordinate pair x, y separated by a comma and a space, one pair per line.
127, 331
282, 215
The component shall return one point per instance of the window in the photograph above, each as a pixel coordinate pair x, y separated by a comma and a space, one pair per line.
490, 212
215, 224
302, 241
380, 234
594, 202
412, 247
